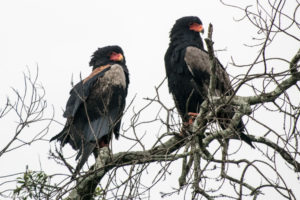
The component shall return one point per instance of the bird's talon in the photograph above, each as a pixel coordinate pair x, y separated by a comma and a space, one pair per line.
192, 114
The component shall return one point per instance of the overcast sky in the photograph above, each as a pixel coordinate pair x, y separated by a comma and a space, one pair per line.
60, 36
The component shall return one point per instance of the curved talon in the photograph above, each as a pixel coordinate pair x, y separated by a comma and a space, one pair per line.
192, 117
192, 114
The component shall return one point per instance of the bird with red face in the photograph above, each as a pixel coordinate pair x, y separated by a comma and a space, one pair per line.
95, 107
188, 70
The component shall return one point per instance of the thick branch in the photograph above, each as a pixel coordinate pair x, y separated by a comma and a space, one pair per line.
163, 152
285, 155
283, 86
87, 184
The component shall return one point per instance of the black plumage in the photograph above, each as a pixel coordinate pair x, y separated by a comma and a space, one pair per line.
188, 70
95, 106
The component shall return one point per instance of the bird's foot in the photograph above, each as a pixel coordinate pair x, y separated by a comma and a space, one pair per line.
102, 144
192, 117
185, 128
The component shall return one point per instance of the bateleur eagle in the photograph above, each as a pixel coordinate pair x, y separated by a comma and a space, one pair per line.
188, 70
96, 104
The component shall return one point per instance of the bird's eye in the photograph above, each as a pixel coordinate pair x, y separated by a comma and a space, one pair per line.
116, 56
190, 23
113, 53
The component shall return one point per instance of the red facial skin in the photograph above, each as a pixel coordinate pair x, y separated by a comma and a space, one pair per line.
197, 27
116, 56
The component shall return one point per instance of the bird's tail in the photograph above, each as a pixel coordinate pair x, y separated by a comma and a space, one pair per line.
246, 139
83, 156
243, 136
61, 136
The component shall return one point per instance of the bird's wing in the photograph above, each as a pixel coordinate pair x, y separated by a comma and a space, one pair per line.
108, 117
80, 92
198, 64
107, 122
94, 130
103, 125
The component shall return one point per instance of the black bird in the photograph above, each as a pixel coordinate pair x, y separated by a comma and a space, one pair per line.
188, 71
96, 104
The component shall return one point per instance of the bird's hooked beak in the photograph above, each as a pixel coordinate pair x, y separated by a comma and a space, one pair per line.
116, 56
197, 27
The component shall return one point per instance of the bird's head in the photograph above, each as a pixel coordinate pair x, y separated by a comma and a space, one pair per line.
107, 55
187, 28
188, 24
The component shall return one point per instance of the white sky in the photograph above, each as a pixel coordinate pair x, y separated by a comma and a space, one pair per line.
60, 36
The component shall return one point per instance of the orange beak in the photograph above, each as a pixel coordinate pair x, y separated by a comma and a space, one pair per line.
197, 27
116, 56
